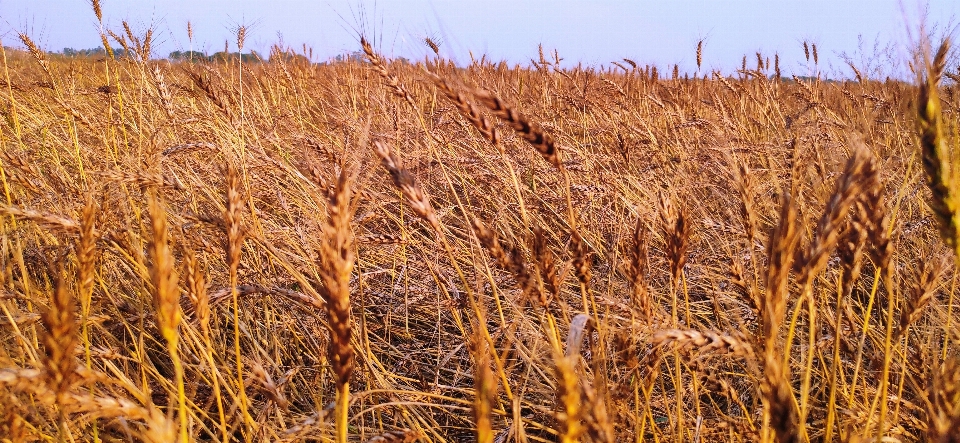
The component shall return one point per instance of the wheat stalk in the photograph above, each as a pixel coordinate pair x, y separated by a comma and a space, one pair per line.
484, 389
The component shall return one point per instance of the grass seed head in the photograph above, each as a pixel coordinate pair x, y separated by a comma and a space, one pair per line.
60, 339
165, 291
337, 258
529, 131
418, 200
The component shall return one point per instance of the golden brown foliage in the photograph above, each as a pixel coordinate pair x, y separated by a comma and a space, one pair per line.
795, 224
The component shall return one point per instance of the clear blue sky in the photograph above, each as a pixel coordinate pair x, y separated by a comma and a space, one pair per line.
593, 32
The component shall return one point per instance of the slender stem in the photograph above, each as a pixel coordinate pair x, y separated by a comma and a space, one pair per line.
241, 387
343, 407
181, 394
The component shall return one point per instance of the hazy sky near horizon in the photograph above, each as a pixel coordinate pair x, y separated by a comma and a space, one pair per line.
593, 32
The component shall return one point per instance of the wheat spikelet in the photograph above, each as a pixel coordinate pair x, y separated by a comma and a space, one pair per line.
163, 277
636, 269
197, 291
141, 47
268, 386
509, 258
106, 46
133, 38
699, 54
743, 180
598, 424
36, 52
531, 132
418, 200
233, 246
212, 92
86, 252
381, 239
783, 243
86, 261
163, 93
166, 296
336, 265
60, 340
143, 179
581, 259
775, 388
850, 248
704, 342
678, 230
12, 423
156, 427
433, 45
776, 66
241, 37
466, 107
45, 220
860, 174
941, 178
921, 293
96, 10
546, 265
121, 40
569, 418
231, 217
943, 416
390, 80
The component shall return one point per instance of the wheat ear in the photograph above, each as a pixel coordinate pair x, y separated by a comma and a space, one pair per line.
779, 403
530, 131
337, 258
390, 80
166, 298
466, 107
60, 340
233, 247
941, 179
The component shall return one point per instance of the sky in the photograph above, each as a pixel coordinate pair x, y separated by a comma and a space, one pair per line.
594, 32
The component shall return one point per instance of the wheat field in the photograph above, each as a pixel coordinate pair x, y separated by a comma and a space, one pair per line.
388, 251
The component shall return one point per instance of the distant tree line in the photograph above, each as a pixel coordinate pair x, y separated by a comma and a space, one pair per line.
198, 56
251, 57
221, 56
92, 52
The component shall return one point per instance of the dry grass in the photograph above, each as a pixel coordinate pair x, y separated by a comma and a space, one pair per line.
386, 252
